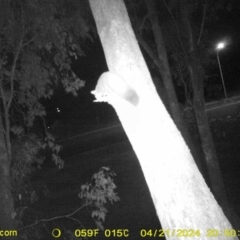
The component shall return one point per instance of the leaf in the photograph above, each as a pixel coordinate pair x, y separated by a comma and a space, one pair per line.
99, 193
57, 148
17, 129
99, 225
50, 144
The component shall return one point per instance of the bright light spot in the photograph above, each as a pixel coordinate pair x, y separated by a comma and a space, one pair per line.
221, 45
58, 110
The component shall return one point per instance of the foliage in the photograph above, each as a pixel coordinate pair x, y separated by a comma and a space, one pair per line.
38, 42
95, 197
25, 161
55, 149
98, 193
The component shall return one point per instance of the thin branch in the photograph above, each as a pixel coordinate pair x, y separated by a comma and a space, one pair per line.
69, 216
76, 220
144, 19
148, 50
203, 21
176, 26
26, 43
2, 95
187, 95
13, 72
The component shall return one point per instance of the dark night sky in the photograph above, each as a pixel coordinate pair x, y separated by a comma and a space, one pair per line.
227, 29
90, 67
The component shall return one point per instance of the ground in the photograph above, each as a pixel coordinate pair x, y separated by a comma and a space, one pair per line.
85, 154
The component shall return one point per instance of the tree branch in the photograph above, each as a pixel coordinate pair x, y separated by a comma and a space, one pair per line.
176, 26
203, 20
69, 216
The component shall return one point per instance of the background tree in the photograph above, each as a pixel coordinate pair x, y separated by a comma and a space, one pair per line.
181, 196
179, 34
144, 32
191, 48
38, 42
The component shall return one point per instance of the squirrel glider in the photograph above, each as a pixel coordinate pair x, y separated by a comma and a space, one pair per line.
111, 85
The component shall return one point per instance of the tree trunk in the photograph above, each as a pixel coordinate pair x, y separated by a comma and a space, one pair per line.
197, 79
208, 146
164, 69
7, 207
180, 194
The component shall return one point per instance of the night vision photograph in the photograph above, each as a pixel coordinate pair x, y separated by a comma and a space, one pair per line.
119, 119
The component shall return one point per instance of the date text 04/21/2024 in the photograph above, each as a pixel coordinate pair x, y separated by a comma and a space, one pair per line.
188, 233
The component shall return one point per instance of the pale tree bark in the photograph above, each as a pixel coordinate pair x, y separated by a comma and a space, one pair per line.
179, 192
164, 69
